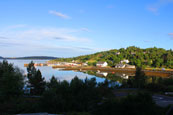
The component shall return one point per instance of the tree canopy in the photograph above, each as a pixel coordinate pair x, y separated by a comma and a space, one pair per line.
11, 80
152, 57
35, 79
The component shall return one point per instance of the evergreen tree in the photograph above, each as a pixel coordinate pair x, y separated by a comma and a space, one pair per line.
35, 79
11, 80
139, 78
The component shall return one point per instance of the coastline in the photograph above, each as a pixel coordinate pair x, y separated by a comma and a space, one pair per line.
159, 73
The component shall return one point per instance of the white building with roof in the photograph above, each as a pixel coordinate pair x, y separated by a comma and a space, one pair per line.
101, 64
124, 61
120, 65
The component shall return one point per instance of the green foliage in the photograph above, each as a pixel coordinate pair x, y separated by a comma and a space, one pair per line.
154, 57
139, 80
35, 79
77, 95
11, 80
140, 104
159, 84
92, 63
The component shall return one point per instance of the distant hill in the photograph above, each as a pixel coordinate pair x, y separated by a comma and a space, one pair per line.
149, 57
1, 57
32, 57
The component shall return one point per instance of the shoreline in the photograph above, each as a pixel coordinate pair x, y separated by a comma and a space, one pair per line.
159, 73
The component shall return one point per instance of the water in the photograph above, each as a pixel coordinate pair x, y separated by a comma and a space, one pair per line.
48, 72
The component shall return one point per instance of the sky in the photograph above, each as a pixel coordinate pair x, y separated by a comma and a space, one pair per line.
68, 28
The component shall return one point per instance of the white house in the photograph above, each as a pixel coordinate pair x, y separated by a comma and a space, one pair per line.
117, 53
101, 64
124, 61
120, 66
84, 64
130, 66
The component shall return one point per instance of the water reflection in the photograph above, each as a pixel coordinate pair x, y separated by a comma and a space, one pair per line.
48, 71
125, 79
104, 74
110, 75
116, 79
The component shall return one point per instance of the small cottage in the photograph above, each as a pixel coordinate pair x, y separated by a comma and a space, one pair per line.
120, 66
117, 53
130, 66
101, 64
124, 61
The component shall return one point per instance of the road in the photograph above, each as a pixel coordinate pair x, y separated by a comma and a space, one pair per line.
162, 100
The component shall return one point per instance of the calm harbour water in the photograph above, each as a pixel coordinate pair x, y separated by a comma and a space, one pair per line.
48, 72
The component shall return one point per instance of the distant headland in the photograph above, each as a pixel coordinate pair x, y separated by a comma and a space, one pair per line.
30, 57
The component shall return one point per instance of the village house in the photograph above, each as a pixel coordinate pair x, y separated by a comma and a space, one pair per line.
101, 64
55, 64
130, 66
71, 64
124, 61
124, 66
144, 52
120, 65
117, 53
84, 64
133, 53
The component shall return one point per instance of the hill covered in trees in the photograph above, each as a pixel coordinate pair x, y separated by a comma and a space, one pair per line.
149, 57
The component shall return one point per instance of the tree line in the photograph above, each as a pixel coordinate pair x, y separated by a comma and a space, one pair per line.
149, 57
76, 97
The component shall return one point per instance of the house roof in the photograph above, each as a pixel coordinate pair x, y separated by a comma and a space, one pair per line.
130, 65
120, 65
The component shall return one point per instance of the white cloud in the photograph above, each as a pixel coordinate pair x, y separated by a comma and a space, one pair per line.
85, 29
171, 35
43, 41
44, 34
17, 26
154, 8
59, 14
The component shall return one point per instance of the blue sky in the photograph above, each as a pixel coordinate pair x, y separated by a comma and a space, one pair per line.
66, 28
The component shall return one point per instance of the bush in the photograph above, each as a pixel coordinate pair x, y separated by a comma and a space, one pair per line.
140, 104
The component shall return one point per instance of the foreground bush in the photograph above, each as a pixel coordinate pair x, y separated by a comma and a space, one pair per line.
140, 104
11, 85
11, 81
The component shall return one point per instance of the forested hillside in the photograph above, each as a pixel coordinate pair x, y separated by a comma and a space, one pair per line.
149, 57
